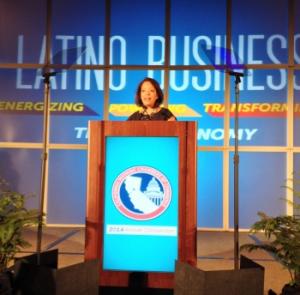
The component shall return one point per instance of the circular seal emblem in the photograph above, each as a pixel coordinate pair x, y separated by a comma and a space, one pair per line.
141, 193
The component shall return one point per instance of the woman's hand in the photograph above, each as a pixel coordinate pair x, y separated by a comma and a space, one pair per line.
172, 119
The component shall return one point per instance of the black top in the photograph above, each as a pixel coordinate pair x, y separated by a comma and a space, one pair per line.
162, 115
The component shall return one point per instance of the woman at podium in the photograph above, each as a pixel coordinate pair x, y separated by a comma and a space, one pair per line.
149, 97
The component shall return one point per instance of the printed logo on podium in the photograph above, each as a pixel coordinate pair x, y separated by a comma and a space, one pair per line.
141, 193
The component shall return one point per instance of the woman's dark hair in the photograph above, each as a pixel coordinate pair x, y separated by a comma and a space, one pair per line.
159, 92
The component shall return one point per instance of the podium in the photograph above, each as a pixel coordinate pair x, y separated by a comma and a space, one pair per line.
141, 200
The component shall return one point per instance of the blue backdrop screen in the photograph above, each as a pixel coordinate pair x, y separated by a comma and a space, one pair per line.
137, 40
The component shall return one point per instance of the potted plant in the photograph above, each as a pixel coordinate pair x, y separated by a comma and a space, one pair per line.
282, 241
14, 217
31, 277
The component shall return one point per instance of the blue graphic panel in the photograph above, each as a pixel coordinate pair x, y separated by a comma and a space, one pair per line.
75, 43
67, 187
21, 169
72, 109
263, 93
203, 91
260, 186
23, 25
263, 108
210, 190
139, 240
21, 111
72, 32
197, 28
261, 39
137, 37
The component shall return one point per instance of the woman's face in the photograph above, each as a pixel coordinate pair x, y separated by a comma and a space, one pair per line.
148, 94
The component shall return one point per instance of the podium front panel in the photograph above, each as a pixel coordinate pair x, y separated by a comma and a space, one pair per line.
141, 199
141, 204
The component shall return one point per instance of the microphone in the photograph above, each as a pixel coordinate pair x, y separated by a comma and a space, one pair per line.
236, 74
49, 74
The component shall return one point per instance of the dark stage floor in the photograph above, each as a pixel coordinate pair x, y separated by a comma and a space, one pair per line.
214, 251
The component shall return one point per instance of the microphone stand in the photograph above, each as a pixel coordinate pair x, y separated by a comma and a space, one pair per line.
236, 160
74, 54
44, 158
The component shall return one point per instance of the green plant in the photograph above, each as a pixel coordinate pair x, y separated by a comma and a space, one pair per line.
282, 237
14, 217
